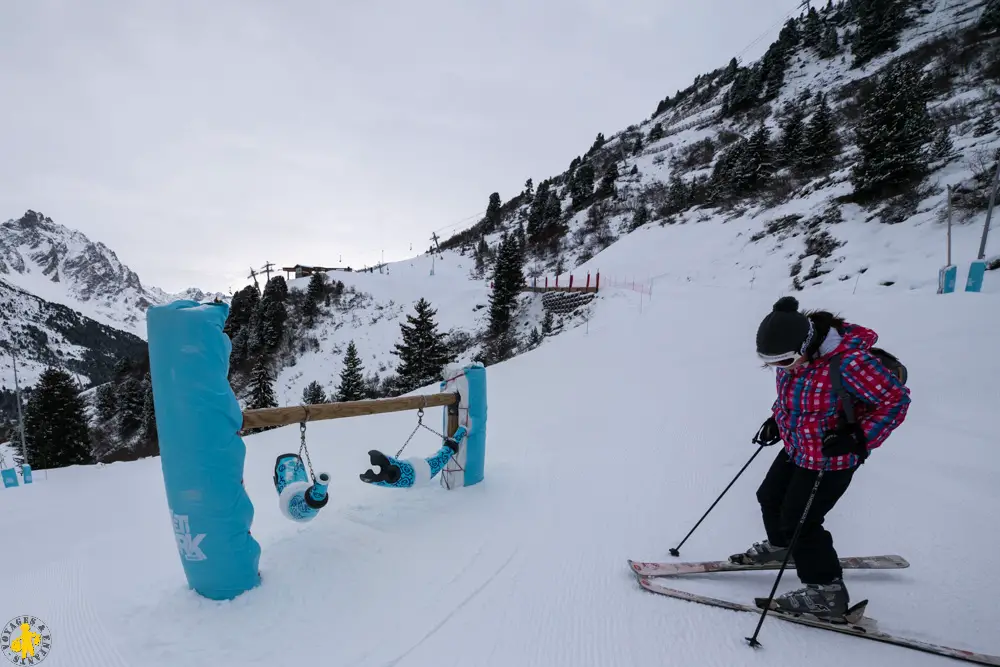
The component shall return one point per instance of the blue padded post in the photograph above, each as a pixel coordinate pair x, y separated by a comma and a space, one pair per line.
201, 455
471, 457
977, 273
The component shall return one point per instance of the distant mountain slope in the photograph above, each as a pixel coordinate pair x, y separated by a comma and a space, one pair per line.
66, 299
733, 152
63, 266
45, 333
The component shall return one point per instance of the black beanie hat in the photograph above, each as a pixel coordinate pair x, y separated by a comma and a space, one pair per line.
783, 330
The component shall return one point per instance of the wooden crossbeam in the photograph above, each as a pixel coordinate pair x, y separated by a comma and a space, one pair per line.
296, 414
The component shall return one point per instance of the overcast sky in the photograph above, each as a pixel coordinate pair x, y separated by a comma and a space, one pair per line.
199, 138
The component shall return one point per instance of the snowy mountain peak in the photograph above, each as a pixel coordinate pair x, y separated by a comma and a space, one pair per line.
62, 265
76, 291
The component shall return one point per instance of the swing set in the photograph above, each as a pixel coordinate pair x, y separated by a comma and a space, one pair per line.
200, 426
302, 495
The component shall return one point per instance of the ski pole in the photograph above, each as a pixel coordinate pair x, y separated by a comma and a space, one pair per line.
676, 550
795, 536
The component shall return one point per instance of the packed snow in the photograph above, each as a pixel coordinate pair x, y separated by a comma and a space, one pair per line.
606, 443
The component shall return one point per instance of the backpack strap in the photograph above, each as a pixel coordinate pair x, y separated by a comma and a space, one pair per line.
846, 402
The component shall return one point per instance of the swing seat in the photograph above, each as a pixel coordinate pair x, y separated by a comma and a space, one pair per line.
288, 468
298, 499
399, 473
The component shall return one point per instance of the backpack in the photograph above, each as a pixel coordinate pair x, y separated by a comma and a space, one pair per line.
891, 363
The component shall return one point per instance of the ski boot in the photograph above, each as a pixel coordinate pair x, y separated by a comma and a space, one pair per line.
761, 552
827, 602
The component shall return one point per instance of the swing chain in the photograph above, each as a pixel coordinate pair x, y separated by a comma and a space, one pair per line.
305, 450
420, 423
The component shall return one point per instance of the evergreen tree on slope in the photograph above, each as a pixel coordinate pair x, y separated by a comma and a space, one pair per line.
508, 280
893, 129
821, 143
422, 352
261, 387
55, 424
313, 394
352, 377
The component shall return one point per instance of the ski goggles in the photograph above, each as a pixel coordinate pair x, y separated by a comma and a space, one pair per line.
783, 360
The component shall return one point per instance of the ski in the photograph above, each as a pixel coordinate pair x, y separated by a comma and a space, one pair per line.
665, 569
856, 623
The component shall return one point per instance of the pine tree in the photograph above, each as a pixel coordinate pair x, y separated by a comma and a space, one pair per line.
607, 185
821, 143
677, 195
640, 216
261, 387
148, 431
535, 339
655, 132
529, 190
106, 401
754, 169
582, 185
508, 279
242, 309
536, 214
830, 44
314, 296
724, 183
492, 213
131, 406
748, 85
985, 125
943, 146
423, 352
813, 31
271, 316
879, 25
352, 377
548, 322
313, 394
793, 135
990, 18
598, 143
893, 129
55, 423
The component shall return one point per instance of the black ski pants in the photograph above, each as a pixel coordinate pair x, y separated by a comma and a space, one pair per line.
783, 496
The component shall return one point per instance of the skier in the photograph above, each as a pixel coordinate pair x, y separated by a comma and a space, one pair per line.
806, 417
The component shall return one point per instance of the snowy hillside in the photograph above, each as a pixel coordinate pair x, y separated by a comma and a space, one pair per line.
371, 317
529, 568
673, 171
66, 299
46, 333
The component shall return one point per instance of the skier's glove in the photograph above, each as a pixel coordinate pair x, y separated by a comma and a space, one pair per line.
768, 433
844, 440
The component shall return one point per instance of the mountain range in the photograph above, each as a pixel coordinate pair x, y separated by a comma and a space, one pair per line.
68, 300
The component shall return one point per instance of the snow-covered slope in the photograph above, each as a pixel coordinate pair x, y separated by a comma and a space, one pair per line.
605, 443
45, 333
372, 315
801, 231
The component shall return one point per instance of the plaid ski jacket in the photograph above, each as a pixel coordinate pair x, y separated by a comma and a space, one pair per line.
807, 405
